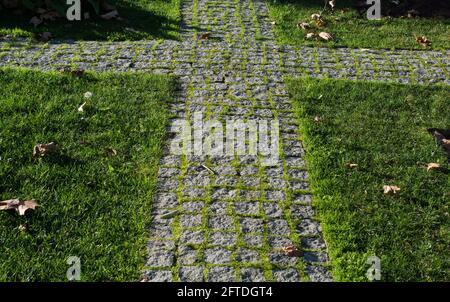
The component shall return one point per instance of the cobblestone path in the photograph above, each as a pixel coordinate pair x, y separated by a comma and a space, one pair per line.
223, 218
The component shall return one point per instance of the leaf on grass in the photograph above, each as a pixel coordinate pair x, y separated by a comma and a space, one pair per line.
303, 25
320, 23
310, 36
111, 152
87, 95
81, 108
390, 190
44, 149
433, 166
316, 16
20, 206
317, 119
114, 14
351, 165
332, 4
422, 40
325, 36
291, 250
35, 21
446, 142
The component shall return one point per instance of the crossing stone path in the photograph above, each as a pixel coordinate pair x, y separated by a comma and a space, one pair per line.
228, 218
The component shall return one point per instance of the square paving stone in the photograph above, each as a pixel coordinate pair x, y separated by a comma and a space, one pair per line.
192, 180
275, 195
193, 206
282, 259
222, 238
165, 200
247, 255
222, 180
160, 259
224, 194
278, 226
246, 208
220, 222
252, 275
158, 276
311, 257
276, 183
187, 255
286, 275
302, 198
221, 274
254, 240
191, 274
250, 181
298, 185
313, 243
251, 225
279, 242
302, 211
218, 207
217, 255
191, 221
194, 193
248, 170
192, 237
318, 273
272, 210
160, 231
308, 227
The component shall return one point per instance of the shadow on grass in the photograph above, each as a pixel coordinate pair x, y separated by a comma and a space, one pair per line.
138, 24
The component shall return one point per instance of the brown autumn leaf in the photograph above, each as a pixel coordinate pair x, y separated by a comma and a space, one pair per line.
303, 25
390, 190
111, 152
203, 36
446, 142
422, 40
114, 14
44, 149
35, 21
351, 165
20, 206
433, 166
291, 250
325, 36
320, 23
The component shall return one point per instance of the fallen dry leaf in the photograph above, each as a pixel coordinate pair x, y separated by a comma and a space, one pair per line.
303, 25
44, 149
20, 206
433, 166
35, 21
87, 95
111, 152
273, 23
114, 14
422, 40
311, 35
446, 142
317, 119
332, 4
203, 36
316, 16
291, 250
320, 23
351, 165
325, 36
81, 108
390, 190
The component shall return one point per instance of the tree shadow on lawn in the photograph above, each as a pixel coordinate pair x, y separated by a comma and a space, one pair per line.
137, 24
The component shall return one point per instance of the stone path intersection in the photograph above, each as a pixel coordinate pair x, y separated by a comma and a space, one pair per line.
231, 225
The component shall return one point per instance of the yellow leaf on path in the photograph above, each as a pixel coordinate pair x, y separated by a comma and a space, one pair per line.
433, 166
390, 190
20, 206
291, 250
325, 36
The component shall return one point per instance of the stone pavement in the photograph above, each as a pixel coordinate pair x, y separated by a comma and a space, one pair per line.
230, 220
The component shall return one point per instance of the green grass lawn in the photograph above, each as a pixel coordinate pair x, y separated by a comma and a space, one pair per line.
382, 128
92, 205
352, 30
143, 19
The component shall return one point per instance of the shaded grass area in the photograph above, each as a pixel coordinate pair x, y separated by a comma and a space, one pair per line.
354, 30
383, 129
143, 19
92, 205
